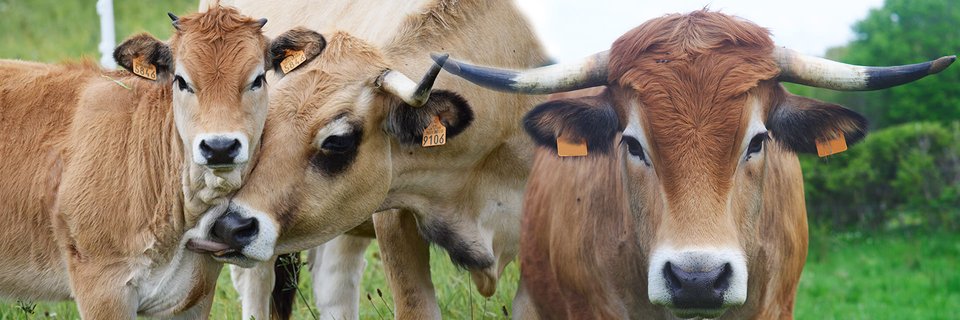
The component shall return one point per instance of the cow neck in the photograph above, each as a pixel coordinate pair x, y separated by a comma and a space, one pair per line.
156, 166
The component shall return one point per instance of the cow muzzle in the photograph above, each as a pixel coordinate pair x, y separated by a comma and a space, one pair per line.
239, 236
697, 283
221, 151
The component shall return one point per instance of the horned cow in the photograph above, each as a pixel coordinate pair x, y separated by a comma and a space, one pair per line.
108, 177
464, 196
690, 200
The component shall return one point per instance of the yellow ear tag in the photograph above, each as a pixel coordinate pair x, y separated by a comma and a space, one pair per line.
293, 59
566, 148
144, 69
833, 146
435, 134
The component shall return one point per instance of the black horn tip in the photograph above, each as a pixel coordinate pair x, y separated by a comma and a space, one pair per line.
942, 63
173, 17
262, 22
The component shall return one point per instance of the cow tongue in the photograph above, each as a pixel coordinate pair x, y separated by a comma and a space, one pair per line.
206, 246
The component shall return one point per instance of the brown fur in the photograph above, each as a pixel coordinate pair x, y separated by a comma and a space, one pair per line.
591, 223
469, 189
96, 174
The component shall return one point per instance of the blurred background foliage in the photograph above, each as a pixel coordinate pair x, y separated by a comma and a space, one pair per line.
905, 174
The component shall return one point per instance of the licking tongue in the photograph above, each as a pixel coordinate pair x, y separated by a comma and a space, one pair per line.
207, 246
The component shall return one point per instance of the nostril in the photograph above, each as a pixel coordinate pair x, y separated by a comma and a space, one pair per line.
204, 147
247, 231
673, 282
723, 279
234, 230
234, 149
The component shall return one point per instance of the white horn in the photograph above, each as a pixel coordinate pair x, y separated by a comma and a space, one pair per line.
818, 72
413, 94
590, 72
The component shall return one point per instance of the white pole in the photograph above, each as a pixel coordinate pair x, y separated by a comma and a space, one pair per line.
107, 35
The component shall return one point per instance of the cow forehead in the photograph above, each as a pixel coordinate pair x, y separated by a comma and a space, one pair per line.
219, 46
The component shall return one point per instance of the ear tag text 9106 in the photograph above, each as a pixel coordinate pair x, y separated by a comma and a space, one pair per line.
567, 148
835, 145
144, 69
292, 60
435, 134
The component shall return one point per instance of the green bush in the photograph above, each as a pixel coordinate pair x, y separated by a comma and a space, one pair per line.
905, 175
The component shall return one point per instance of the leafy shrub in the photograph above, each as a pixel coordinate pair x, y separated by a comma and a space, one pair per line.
904, 175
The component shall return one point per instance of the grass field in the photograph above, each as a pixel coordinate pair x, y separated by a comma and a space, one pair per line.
892, 275
848, 276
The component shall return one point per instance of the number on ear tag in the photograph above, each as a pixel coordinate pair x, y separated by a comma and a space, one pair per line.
293, 59
435, 134
144, 69
832, 146
566, 148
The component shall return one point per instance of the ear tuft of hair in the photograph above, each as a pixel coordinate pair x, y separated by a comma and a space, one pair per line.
406, 123
589, 119
297, 39
798, 122
145, 45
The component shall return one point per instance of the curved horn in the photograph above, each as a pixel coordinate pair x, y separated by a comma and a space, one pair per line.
590, 72
175, 20
261, 22
818, 72
413, 94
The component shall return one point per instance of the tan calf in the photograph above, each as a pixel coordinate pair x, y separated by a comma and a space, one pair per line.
690, 201
107, 176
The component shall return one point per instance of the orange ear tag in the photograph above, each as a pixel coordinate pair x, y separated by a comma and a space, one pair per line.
833, 146
435, 134
144, 69
566, 148
292, 60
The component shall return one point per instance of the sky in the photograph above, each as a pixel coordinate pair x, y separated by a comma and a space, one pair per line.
571, 29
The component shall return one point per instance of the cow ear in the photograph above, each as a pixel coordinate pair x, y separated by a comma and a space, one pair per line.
590, 119
798, 122
295, 48
406, 123
145, 56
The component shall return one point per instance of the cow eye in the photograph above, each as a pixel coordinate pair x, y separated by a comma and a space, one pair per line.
339, 144
756, 144
258, 82
634, 148
182, 84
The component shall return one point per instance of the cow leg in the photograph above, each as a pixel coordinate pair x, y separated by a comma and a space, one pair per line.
406, 263
254, 286
337, 268
523, 308
102, 294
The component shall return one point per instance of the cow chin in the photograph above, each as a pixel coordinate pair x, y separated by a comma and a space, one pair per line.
697, 282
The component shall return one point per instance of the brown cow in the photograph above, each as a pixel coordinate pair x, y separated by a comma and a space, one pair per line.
106, 177
690, 201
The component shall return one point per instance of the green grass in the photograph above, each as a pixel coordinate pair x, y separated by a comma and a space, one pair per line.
892, 275
57, 30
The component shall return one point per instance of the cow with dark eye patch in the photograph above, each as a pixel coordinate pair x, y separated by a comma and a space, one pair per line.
464, 195
689, 203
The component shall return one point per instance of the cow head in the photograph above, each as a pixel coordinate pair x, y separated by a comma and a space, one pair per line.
325, 162
695, 114
215, 63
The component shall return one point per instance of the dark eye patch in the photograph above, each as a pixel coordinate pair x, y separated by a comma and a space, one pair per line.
337, 153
